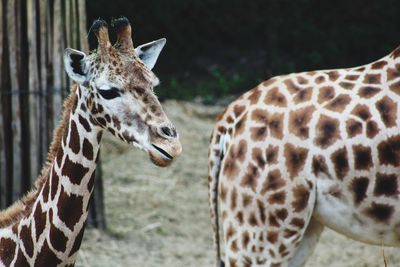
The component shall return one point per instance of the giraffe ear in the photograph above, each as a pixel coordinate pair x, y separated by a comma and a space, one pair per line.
149, 52
75, 65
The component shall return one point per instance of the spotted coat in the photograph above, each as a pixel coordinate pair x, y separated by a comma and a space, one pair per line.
303, 151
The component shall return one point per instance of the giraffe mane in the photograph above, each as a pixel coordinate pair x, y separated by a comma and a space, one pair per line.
23, 206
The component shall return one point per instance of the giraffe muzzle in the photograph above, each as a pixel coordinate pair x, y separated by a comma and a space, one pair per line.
163, 152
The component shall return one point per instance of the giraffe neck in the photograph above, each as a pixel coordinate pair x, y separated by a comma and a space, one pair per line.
52, 231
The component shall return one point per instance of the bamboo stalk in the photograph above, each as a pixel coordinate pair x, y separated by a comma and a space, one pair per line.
74, 23
13, 24
49, 79
57, 61
6, 109
84, 44
33, 86
2, 151
43, 81
23, 77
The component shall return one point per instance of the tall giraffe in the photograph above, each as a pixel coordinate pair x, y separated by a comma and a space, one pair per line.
303, 151
114, 92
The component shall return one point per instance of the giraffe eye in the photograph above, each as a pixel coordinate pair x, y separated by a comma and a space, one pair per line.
111, 93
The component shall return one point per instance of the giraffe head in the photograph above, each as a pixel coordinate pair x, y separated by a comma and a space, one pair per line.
117, 84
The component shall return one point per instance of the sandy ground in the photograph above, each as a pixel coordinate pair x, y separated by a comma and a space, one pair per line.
159, 216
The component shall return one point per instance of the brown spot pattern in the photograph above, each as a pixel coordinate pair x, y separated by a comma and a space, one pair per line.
362, 157
327, 131
276, 125
339, 103
386, 185
74, 141
301, 195
258, 157
298, 121
272, 154
389, 151
378, 65
57, 238
272, 237
295, 158
353, 127
258, 133
372, 129
352, 77
340, 162
358, 187
368, 91
238, 110
40, 221
84, 123
346, 85
319, 165
75, 171
319, 79
240, 125
233, 198
260, 115
303, 95
246, 199
393, 73
273, 182
381, 213
361, 111
275, 98
291, 86
326, 93
26, 237
333, 75
70, 216
254, 95
388, 110
87, 149
245, 239
371, 78
277, 198
251, 177
395, 87
7, 250
261, 210
46, 257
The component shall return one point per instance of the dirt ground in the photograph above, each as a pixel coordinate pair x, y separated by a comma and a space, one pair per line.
159, 216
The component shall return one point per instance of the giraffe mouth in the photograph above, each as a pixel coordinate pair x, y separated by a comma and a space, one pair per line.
163, 152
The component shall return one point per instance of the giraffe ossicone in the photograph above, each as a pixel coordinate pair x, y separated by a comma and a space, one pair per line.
113, 92
303, 151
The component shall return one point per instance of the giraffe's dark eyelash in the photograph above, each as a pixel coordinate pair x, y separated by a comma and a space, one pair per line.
109, 93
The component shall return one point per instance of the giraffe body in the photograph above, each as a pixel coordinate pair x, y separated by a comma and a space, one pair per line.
303, 151
114, 92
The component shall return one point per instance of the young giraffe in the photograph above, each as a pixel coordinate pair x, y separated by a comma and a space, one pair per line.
303, 151
114, 93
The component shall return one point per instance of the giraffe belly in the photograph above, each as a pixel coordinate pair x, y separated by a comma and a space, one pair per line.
338, 213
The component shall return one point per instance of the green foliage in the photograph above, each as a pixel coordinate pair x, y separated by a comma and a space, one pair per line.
210, 89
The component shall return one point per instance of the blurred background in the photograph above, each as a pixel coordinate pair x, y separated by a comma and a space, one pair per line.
221, 47
146, 216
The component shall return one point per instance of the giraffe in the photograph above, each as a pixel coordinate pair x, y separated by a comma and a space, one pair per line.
113, 92
303, 151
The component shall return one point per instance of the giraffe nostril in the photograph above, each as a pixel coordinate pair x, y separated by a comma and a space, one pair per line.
168, 131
